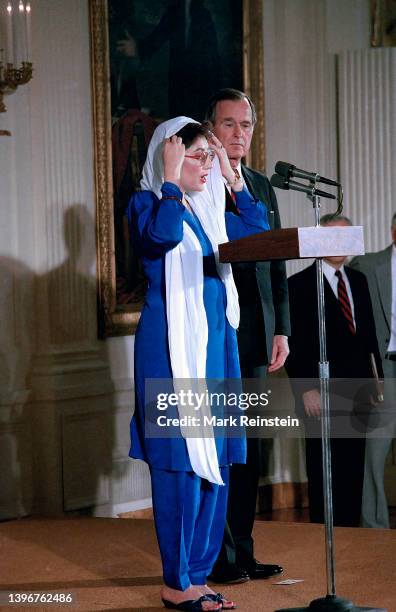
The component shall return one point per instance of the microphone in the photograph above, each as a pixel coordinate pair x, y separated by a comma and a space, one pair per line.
283, 183
288, 170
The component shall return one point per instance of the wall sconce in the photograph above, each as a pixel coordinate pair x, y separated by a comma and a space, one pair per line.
15, 43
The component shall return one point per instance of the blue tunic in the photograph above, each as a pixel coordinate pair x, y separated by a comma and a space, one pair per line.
157, 227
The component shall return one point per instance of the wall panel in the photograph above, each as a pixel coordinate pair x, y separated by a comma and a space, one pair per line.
367, 110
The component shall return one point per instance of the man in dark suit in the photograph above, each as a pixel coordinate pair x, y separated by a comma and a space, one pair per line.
350, 339
380, 271
262, 335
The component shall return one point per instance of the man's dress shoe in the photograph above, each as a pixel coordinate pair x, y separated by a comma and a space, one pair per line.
230, 574
260, 571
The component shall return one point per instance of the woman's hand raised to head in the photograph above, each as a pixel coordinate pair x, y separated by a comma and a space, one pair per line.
173, 156
225, 166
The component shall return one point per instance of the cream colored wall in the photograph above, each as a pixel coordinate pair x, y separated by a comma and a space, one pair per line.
301, 38
65, 398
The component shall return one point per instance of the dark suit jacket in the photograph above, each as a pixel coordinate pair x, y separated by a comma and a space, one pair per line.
262, 287
377, 267
348, 354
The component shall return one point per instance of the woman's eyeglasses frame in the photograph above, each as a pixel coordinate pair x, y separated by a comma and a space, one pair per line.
203, 156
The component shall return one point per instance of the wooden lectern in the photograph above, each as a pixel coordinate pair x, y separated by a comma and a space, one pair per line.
295, 243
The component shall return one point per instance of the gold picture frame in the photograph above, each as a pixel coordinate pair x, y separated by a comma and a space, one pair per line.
115, 319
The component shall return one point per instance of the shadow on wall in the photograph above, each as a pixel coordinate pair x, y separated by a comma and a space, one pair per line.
73, 391
57, 429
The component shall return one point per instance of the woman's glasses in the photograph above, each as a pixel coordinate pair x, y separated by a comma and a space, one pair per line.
203, 156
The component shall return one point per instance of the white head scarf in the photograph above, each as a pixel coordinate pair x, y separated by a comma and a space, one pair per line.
186, 316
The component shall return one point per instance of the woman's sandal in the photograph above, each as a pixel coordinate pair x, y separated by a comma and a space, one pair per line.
226, 603
192, 605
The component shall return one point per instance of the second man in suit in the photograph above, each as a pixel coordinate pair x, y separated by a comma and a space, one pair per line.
350, 339
380, 271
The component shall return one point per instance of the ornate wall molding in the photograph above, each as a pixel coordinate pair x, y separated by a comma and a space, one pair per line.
253, 70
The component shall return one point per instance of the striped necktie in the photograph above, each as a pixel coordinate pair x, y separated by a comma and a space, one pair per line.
230, 201
344, 302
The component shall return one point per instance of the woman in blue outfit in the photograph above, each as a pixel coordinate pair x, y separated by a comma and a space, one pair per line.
187, 330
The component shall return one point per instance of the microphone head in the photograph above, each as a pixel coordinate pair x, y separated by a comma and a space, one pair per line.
279, 181
284, 169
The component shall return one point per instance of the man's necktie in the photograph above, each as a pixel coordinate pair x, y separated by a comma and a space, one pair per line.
344, 302
230, 201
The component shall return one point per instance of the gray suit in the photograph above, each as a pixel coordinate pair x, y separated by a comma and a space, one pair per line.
378, 270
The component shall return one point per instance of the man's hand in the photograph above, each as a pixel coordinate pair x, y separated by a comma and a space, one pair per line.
311, 401
280, 350
173, 156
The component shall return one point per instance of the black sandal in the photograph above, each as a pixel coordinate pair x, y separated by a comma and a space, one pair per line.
191, 605
219, 598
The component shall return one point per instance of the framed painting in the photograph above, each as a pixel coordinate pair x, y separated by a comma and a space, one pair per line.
152, 61
383, 23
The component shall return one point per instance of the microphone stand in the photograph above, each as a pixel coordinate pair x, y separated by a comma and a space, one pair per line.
331, 602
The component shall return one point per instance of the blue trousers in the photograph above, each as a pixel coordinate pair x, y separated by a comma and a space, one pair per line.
189, 515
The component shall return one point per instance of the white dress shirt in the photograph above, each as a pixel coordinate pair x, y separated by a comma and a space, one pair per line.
329, 273
392, 341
